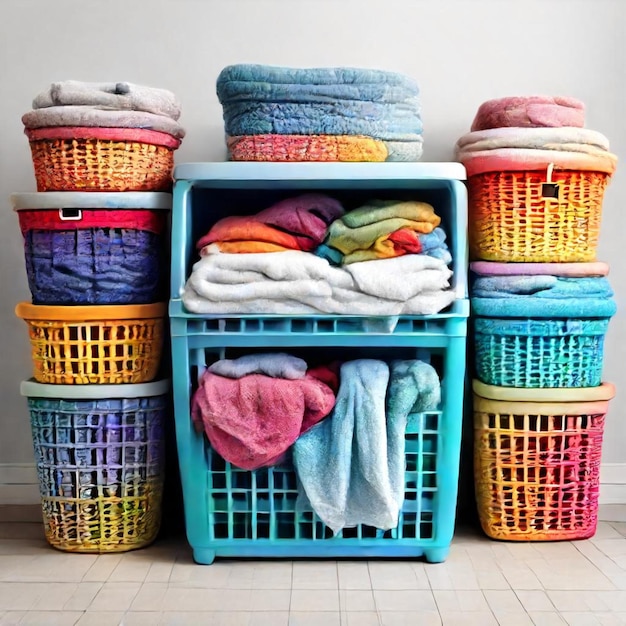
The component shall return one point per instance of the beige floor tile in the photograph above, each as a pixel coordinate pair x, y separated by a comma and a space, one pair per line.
51, 618
130, 569
503, 601
141, 618
270, 575
577, 601
11, 618
269, 600
149, 597
588, 619
360, 619
269, 618
417, 600
401, 575
604, 531
520, 576
356, 600
452, 576
101, 618
23, 547
159, 572
306, 618
82, 597
114, 597
353, 575
569, 573
51, 566
461, 618
303, 600
546, 618
620, 527
214, 576
204, 618
102, 568
451, 601
177, 599
409, 618
612, 547
18, 596
21, 530
54, 596
315, 575
534, 600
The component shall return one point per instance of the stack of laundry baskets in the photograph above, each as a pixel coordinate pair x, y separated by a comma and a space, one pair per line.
319, 114
541, 305
95, 259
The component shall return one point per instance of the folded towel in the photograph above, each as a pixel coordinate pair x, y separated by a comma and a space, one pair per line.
396, 243
306, 148
267, 82
542, 296
252, 421
568, 139
242, 247
351, 466
91, 117
117, 96
521, 159
275, 365
533, 111
574, 270
361, 228
299, 282
395, 122
298, 223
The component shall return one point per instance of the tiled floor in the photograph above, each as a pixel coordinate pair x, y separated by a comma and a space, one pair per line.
482, 583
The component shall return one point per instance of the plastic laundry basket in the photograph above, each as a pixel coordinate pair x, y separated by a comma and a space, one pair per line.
95, 344
102, 159
529, 341
93, 248
99, 452
537, 459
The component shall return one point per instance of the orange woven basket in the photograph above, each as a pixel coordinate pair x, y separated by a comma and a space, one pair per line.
102, 159
537, 459
77, 345
535, 215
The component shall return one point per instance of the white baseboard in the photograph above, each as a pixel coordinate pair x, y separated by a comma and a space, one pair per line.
19, 485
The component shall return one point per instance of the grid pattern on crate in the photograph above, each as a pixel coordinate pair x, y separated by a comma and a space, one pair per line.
539, 353
100, 351
262, 504
93, 266
100, 466
512, 220
537, 476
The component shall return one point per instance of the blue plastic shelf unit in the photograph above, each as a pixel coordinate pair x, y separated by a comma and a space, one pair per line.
235, 513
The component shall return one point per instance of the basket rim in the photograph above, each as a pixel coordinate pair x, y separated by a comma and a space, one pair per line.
605, 391
32, 389
103, 200
141, 135
89, 313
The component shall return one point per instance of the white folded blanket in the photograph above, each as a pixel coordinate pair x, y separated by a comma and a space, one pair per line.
118, 96
298, 282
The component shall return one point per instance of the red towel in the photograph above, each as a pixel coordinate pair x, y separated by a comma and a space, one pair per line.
252, 421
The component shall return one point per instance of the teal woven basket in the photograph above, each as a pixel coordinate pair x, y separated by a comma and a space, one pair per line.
512, 352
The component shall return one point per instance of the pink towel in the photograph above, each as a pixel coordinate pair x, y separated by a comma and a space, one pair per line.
300, 223
252, 421
533, 111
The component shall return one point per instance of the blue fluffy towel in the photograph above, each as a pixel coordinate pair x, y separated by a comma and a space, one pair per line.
542, 296
351, 466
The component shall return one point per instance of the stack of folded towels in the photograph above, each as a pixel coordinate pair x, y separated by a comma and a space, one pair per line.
307, 255
74, 103
319, 114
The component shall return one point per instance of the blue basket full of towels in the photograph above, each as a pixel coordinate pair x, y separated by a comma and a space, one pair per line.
319, 114
540, 324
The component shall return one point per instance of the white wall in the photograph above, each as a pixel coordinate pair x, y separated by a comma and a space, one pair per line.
462, 52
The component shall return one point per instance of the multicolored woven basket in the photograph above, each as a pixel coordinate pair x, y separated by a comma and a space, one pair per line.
93, 248
77, 345
99, 452
537, 460
102, 159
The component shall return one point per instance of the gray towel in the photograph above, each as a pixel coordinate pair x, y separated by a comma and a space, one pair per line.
116, 96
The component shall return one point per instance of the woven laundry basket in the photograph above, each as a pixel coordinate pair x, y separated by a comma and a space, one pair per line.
94, 248
537, 456
100, 459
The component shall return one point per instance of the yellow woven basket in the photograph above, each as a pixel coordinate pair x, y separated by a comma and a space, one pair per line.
94, 344
535, 216
102, 159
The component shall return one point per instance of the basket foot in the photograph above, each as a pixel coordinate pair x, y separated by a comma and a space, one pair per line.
203, 556
436, 555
